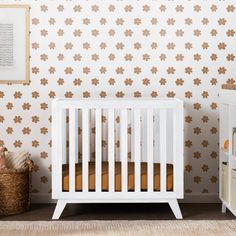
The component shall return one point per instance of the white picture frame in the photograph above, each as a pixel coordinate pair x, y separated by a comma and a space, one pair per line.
14, 44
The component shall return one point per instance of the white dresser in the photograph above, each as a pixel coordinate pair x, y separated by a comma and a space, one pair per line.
227, 164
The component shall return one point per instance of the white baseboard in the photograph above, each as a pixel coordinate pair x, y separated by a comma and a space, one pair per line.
188, 198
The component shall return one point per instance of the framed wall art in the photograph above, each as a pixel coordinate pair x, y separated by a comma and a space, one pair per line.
14, 43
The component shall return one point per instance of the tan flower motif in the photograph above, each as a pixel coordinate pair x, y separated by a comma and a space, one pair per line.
17, 144
26, 130
44, 32
137, 70
128, 8
197, 8
9, 130
77, 82
35, 119
179, 57
26, 106
86, 70
60, 8
44, 8
230, 33
154, 94
77, 57
179, 82
222, 70
119, 70
9, 106
111, 8
222, 46
137, 21
35, 21
170, 70
69, 70
179, 8
205, 94
197, 155
188, 94
146, 32
111, 57
17, 94
170, 46
77, 33
197, 32
35, 70
205, 21
44, 106
188, 168
68, 21
95, 8
188, 119
120, 21
197, 57
120, 94
146, 8
154, 70
103, 21
52, 45
51, 21
197, 81
128, 82
69, 94
230, 57
170, 21
197, 179
137, 94
188, 21
197, 106
95, 81
103, 45
205, 119
44, 57
214, 179
128, 33
77, 8
44, 155
188, 70
103, 94
213, 8
44, 179
162, 81
214, 32
179, 33
197, 130
170, 94
95, 32
35, 46
60, 81
86, 94
162, 8
230, 8
52, 70
120, 46
154, 21
128, 57
68, 46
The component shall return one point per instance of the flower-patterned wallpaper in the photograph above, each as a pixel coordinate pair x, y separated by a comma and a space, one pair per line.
114, 49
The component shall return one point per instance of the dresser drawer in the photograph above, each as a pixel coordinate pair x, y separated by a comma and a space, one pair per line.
225, 185
233, 190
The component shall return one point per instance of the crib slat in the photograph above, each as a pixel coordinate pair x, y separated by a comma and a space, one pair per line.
150, 148
61, 142
163, 117
111, 150
137, 148
85, 147
98, 152
123, 146
174, 148
73, 146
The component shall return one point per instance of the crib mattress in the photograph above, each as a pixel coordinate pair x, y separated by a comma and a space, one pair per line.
118, 175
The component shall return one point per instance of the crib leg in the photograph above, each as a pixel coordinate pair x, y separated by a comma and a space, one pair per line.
224, 208
174, 205
59, 209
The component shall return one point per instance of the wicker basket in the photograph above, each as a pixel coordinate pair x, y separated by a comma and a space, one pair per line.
15, 190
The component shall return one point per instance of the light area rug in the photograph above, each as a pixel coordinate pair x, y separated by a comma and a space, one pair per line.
115, 228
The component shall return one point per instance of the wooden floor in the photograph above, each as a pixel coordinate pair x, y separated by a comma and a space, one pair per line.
123, 212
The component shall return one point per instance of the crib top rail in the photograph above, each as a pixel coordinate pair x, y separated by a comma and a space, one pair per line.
144, 103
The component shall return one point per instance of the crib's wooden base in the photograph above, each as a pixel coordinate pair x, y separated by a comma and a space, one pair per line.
61, 204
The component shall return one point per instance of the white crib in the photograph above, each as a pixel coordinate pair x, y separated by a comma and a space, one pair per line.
155, 146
